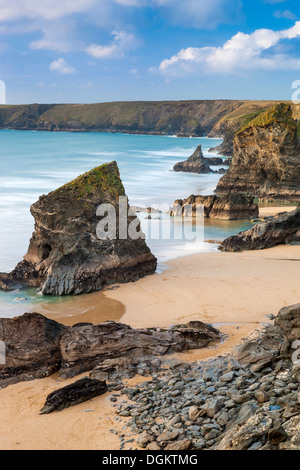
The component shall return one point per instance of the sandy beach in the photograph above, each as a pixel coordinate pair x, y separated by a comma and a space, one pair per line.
233, 291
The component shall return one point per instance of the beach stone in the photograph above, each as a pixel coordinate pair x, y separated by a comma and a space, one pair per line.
212, 407
228, 377
185, 444
153, 446
144, 439
168, 435
260, 396
195, 413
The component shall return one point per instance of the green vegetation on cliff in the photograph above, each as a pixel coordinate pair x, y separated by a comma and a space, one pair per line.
278, 114
104, 179
213, 118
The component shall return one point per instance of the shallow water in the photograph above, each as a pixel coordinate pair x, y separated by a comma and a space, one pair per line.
35, 163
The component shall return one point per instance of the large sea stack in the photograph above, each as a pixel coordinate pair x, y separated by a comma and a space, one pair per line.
65, 255
266, 158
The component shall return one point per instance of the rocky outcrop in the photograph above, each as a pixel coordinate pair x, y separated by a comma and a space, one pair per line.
84, 347
282, 229
230, 207
32, 348
66, 256
266, 158
197, 163
79, 392
194, 164
248, 400
36, 347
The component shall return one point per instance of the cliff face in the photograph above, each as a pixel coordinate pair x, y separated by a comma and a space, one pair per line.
65, 255
266, 158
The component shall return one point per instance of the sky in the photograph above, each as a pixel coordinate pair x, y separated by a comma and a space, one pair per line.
85, 51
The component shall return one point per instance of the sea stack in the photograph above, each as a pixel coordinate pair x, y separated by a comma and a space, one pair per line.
195, 164
65, 255
266, 158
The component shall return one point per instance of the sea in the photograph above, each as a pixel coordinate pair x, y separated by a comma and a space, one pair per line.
35, 163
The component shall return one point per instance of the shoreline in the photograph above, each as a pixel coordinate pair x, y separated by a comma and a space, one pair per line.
233, 291
249, 286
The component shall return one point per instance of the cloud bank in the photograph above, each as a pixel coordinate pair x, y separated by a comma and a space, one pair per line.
243, 52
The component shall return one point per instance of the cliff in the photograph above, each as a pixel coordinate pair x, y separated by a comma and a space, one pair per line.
65, 255
266, 157
215, 118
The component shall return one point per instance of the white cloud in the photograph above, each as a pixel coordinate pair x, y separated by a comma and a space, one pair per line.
122, 43
61, 66
242, 52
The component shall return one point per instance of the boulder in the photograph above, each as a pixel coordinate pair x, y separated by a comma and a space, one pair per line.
266, 158
74, 394
65, 255
282, 229
32, 348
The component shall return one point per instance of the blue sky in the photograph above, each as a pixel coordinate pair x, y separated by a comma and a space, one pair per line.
77, 51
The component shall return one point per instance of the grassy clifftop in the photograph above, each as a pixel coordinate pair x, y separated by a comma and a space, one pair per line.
216, 118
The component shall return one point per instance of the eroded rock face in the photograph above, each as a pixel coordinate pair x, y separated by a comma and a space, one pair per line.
282, 229
65, 255
84, 347
266, 158
229, 207
37, 347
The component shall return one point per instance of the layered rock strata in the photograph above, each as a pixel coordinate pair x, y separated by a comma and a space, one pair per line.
280, 230
36, 347
266, 158
230, 207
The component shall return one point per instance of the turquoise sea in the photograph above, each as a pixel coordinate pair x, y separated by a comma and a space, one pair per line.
35, 163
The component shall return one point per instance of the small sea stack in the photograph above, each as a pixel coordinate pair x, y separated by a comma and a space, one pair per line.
66, 256
194, 164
